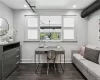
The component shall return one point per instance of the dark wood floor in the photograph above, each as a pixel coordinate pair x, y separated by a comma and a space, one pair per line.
26, 72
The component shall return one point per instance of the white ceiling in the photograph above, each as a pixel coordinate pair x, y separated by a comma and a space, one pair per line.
49, 4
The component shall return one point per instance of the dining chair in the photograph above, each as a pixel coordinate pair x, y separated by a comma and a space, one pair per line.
51, 56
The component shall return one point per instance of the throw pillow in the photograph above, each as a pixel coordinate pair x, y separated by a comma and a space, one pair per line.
91, 54
82, 50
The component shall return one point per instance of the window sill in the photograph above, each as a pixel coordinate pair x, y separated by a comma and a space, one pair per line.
50, 41
32, 41
69, 41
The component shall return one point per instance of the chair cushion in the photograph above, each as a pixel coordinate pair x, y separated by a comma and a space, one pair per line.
91, 54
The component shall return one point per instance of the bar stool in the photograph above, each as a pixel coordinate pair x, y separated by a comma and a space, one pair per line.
51, 56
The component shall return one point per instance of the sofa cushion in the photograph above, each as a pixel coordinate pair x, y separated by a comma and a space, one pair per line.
89, 64
86, 63
77, 58
94, 70
91, 54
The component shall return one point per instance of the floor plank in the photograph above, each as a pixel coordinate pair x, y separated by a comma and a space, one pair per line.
26, 72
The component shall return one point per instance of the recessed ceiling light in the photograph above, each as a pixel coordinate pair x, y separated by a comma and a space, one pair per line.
74, 6
25, 6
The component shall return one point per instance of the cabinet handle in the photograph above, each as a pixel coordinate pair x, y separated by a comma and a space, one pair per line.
17, 62
17, 56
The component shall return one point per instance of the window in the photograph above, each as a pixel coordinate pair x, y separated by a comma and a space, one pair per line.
50, 28
69, 28
32, 28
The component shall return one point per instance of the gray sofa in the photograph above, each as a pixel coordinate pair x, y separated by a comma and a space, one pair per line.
89, 69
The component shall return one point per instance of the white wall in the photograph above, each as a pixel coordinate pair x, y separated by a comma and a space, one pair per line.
7, 13
93, 28
28, 48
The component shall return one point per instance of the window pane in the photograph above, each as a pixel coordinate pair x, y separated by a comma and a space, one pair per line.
68, 22
32, 22
55, 36
44, 35
32, 34
68, 34
54, 20
50, 34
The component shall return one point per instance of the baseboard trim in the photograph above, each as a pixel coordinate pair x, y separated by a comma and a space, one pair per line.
33, 61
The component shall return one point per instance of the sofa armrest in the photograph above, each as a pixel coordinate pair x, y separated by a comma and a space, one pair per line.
74, 52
